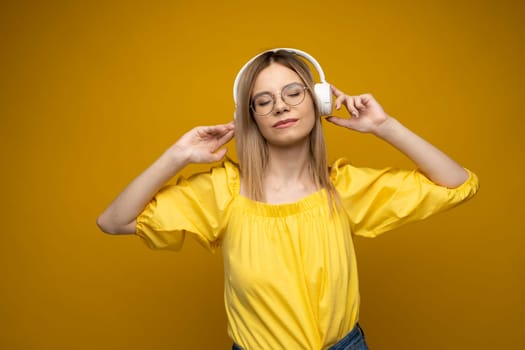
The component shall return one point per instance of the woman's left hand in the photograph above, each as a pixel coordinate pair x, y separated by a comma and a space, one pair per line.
367, 115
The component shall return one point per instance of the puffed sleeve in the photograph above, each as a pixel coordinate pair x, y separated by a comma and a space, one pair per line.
197, 205
377, 201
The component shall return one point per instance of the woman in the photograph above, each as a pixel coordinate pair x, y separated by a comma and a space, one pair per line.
283, 218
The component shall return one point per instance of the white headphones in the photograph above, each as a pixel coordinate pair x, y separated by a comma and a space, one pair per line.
322, 90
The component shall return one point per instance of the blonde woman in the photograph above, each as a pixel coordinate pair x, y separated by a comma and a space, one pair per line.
283, 218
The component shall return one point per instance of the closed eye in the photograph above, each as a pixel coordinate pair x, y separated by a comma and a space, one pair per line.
263, 103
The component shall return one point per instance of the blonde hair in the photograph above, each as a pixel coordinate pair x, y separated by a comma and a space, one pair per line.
252, 149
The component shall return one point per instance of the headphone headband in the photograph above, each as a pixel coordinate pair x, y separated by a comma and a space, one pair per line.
322, 90
295, 51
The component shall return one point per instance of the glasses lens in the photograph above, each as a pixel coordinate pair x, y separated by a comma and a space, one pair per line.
262, 104
293, 94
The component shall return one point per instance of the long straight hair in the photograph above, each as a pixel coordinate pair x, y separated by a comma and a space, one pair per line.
252, 148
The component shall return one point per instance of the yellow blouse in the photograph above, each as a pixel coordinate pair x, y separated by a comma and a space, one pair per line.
290, 275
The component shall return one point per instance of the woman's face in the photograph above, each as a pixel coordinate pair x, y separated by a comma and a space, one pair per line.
284, 125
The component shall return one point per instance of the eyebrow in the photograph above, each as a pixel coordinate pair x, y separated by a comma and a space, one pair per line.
282, 88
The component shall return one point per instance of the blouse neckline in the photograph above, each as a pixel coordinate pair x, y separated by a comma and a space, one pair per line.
307, 202
283, 209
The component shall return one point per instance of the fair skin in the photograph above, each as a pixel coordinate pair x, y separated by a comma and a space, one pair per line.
199, 145
286, 130
368, 117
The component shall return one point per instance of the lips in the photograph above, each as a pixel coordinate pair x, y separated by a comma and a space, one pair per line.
284, 123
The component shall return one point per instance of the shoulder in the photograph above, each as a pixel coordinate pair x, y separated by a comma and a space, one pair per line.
227, 171
342, 170
223, 177
346, 176
338, 166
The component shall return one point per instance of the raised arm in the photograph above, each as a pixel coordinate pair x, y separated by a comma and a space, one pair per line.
368, 116
199, 145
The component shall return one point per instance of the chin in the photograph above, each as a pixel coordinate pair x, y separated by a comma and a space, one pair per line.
289, 140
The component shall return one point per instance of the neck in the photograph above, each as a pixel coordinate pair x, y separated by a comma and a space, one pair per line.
287, 165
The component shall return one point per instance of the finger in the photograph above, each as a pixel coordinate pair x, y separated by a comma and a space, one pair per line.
225, 128
230, 125
227, 137
336, 91
359, 102
338, 121
347, 101
366, 98
350, 105
223, 140
218, 130
217, 156
338, 101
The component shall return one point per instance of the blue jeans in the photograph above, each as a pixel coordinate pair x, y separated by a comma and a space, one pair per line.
355, 340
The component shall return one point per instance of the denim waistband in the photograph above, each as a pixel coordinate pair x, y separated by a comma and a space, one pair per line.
354, 340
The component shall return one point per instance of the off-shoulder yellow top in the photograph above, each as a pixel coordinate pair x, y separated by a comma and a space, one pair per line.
290, 275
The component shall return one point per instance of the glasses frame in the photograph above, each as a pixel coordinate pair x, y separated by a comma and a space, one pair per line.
252, 100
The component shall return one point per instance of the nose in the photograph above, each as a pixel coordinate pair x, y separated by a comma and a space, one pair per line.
280, 106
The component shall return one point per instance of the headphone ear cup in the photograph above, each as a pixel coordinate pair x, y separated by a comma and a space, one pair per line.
323, 94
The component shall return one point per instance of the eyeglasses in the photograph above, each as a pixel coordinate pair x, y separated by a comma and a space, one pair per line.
264, 103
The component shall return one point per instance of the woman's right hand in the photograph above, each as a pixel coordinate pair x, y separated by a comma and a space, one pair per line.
203, 144
199, 145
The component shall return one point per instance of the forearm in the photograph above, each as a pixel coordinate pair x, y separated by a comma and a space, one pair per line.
431, 161
199, 145
120, 216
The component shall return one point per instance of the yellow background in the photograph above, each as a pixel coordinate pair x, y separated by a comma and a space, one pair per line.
91, 92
